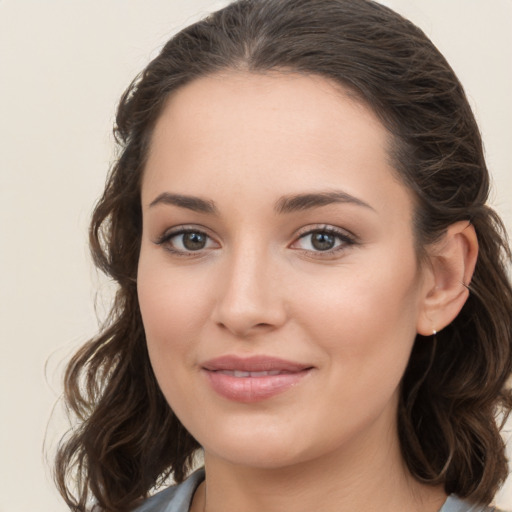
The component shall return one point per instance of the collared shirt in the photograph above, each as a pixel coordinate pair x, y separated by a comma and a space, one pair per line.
177, 498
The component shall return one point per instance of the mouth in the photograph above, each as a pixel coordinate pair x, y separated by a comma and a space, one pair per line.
253, 379
242, 374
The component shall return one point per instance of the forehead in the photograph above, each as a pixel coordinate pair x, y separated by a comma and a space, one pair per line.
281, 131
235, 108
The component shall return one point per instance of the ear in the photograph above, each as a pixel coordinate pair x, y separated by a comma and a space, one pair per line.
448, 272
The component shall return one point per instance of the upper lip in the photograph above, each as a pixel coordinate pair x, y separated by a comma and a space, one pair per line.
253, 364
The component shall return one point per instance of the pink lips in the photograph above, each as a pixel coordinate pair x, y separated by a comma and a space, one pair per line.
254, 378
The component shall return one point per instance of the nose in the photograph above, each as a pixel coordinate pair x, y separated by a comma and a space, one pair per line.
250, 297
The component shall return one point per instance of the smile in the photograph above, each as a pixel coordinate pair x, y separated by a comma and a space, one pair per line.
253, 379
238, 373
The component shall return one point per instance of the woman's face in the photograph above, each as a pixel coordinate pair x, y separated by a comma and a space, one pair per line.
278, 282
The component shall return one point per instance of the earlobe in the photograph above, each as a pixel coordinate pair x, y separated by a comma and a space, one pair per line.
452, 262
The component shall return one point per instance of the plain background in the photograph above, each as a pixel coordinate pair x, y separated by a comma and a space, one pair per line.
63, 66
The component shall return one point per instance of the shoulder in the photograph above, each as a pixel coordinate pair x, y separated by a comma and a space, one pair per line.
176, 498
456, 504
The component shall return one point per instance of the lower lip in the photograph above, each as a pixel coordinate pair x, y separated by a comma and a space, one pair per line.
253, 389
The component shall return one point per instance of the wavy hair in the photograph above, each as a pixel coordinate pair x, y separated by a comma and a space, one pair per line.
127, 439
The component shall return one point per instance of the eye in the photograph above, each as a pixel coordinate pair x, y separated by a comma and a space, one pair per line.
183, 241
193, 241
323, 240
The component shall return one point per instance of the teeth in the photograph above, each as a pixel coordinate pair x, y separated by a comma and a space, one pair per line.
239, 373
264, 374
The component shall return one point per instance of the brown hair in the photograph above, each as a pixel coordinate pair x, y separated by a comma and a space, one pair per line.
128, 438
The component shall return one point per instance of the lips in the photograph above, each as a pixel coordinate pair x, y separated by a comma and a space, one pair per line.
239, 373
253, 379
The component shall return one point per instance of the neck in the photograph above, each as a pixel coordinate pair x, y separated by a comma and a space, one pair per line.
369, 480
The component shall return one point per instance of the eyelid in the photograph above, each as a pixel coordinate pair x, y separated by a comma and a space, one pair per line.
175, 231
310, 228
180, 228
347, 239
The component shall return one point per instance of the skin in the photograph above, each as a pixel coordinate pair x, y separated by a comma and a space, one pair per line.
243, 142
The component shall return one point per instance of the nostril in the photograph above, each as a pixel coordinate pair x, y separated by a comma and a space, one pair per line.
244, 329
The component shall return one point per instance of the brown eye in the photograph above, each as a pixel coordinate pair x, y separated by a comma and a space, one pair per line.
322, 241
194, 241
186, 241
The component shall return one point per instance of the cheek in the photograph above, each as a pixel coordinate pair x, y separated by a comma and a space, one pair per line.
365, 325
173, 308
369, 316
171, 311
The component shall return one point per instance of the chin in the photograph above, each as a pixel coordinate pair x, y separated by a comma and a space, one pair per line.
270, 448
260, 455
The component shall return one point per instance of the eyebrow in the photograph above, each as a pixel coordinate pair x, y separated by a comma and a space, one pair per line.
286, 204
193, 203
299, 202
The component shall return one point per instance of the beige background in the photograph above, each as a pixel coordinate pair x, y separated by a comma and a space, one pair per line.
63, 65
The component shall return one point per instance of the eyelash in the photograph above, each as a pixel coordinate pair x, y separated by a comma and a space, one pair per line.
345, 240
165, 240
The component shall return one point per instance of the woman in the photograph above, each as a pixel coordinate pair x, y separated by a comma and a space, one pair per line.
312, 289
